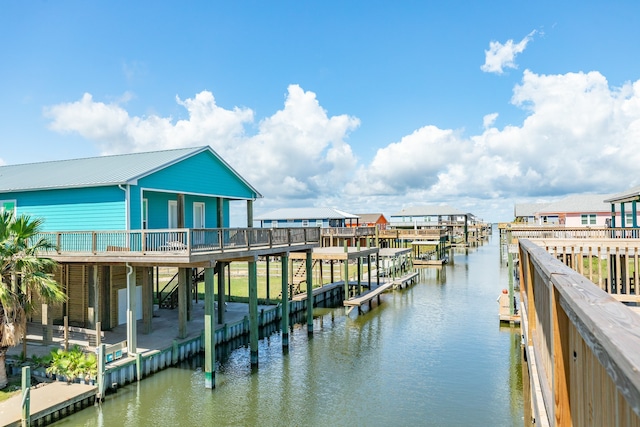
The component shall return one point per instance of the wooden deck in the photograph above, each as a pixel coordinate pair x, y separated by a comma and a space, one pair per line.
48, 403
405, 281
357, 302
582, 346
177, 247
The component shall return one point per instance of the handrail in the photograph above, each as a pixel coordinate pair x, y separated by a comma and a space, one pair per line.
562, 232
161, 299
583, 346
181, 241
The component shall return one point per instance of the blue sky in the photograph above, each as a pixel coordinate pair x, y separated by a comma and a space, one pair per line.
363, 106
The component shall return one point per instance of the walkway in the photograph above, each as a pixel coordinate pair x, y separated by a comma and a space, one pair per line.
46, 401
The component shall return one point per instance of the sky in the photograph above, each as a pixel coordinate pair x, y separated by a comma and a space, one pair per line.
364, 106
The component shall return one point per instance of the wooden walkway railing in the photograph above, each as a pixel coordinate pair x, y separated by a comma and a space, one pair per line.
180, 241
582, 346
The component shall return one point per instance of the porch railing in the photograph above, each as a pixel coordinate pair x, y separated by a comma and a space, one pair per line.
349, 231
583, 346
182, 241
561, 232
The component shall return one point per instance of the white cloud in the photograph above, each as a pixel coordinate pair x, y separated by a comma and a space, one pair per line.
580, 135
489, 120
298, 152
500, 56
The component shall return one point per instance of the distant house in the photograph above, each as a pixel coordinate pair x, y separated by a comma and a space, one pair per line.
627, 215
189, 187
583, 210
373, 220
307, 217
525, 213
429, 216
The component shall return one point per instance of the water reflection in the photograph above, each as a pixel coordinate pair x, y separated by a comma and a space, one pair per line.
430, 355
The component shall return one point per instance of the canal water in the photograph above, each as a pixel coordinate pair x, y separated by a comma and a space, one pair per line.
430, 355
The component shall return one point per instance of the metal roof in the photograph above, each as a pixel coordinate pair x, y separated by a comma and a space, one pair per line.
579, 203
625, 196
523, 210
305, 213
371, 217
430, 210
95, 171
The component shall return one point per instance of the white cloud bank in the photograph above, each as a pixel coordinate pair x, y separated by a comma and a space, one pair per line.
500, 56
580, 135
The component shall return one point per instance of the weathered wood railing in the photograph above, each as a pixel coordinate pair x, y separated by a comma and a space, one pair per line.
612, 264
583, 346
349, 231
562, 232
183, 241
398, 233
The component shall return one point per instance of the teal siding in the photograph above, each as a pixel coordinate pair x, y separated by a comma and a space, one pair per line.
98, 208
159, 209
200, 174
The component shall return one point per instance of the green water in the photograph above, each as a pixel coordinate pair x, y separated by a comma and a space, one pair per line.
430, 355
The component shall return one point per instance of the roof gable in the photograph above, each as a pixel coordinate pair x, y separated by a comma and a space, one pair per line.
97, 171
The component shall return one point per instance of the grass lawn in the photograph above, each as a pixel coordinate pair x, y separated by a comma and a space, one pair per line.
14, 387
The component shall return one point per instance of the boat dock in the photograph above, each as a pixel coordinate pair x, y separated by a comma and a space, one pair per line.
367, 297
374, 292
49, 403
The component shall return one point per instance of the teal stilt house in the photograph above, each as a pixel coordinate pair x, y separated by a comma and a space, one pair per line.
114, 220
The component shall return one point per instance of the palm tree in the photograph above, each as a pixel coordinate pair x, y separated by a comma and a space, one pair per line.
25, 277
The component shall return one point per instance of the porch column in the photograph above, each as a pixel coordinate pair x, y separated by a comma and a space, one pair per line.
219, 213
183, 295
359, 268
285, 300
147, 299
180, 209
253, 312
268, 280
623, 220
310, 293
47, 336
132, 335
634, 212
93, 312
220, 294
249, 213
346, 278
209, 330
613, 215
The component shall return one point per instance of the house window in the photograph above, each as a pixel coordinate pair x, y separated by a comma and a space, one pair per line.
173, 214
628, 219
588, 219
8, 206
145, 214
274, 224
198, 215
305, 222
318, 223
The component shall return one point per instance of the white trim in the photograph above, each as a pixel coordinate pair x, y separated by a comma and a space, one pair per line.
144, 222
202, 213
220, 196
170, 215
